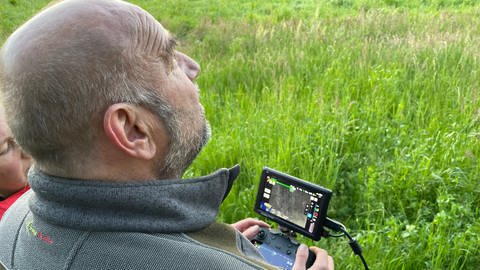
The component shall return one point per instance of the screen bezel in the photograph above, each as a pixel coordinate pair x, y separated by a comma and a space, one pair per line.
285, 178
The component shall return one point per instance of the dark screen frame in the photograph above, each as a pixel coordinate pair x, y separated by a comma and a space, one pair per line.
291, 180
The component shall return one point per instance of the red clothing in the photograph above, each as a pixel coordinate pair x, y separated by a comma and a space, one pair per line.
5, 204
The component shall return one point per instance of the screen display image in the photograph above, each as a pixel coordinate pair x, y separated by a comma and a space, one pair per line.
291, 203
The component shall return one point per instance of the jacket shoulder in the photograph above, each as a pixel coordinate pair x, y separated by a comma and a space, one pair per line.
10, 228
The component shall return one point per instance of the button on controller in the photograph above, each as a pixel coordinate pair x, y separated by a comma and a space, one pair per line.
261, 235
281, 243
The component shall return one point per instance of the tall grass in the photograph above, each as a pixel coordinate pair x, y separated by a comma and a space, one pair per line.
376, 100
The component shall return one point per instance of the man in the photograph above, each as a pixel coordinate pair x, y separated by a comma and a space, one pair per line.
96, 92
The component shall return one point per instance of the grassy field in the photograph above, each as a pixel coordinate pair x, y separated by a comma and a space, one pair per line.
376, 100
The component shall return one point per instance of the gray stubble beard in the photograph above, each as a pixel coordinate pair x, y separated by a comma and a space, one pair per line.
185, 144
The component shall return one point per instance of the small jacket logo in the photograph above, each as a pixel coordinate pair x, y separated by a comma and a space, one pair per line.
33, 231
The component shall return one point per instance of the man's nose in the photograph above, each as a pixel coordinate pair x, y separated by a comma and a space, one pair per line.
188, 65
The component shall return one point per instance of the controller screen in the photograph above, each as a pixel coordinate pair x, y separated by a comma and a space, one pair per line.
291, 203
276, 258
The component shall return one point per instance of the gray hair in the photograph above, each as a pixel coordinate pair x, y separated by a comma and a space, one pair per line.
55, 96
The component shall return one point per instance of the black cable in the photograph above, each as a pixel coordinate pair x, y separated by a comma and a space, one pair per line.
335, 235
339, 227
356, 248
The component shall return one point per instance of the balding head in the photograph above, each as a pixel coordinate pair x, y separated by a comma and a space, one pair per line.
88, 32
63, 68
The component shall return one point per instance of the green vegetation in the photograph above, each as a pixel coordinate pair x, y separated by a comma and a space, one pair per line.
376, 100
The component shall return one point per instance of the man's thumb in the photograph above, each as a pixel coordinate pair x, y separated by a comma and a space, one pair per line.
301, 258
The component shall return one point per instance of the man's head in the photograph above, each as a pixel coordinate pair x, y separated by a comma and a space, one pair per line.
96, 89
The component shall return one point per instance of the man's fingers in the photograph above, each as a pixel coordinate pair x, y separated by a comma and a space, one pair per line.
301, 258
244, 224
251, 232
331, 265
261, 223
323, 261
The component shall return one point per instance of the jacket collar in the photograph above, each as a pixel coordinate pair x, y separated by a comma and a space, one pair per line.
173, 205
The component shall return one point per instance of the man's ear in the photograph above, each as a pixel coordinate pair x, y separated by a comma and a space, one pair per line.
128, 128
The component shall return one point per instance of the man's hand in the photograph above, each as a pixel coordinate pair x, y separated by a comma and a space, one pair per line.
322, 262
249, 227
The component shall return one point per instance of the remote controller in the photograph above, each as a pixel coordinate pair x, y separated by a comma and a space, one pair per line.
278, 248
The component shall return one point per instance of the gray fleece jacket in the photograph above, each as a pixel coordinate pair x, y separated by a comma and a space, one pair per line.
159, 224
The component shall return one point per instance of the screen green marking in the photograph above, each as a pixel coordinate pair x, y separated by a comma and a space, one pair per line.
291, 188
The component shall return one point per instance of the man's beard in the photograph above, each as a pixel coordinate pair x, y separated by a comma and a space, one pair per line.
185, 141
188, 132
183, 149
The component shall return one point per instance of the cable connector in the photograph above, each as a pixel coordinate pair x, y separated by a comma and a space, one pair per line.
339, 227
334, 225
355, 246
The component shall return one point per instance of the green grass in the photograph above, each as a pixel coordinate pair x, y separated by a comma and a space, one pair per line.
376, 100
